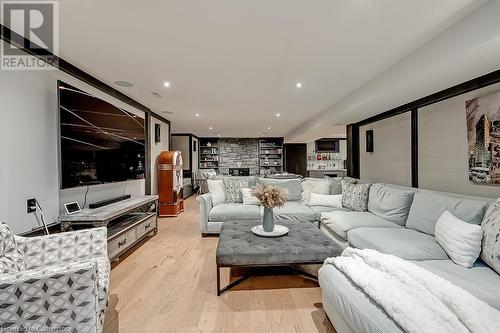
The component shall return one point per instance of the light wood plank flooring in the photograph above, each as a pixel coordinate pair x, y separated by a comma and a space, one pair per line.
168, 284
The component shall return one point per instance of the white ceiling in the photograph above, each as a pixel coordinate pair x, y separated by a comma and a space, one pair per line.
236, 62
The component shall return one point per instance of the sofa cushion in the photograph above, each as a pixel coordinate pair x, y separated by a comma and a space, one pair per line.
335, 184
390, 203
341, 222
491, 238
479, 280
355, 196
405, 243
233, 187
295, 210
293, 186
459, 239
326, 209
309, 186
428, 206
248, 198
234, 211
217, 191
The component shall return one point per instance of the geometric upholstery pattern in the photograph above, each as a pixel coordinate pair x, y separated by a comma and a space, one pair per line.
233, 188
63, 247
355, 196
65, 287
11, 259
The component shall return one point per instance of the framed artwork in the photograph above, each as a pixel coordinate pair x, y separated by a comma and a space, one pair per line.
483, 135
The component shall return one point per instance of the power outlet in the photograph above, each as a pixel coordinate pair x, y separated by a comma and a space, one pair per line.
31, 205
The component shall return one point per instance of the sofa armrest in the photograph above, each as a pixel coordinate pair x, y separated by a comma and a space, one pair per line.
63, 247
205, 202
56, 298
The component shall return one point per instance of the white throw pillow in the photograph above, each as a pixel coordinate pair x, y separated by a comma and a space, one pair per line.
326, 200
309, 186
248, 198
217, 190
459, 239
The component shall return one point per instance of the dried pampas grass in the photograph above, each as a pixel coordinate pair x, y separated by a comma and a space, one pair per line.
270, 196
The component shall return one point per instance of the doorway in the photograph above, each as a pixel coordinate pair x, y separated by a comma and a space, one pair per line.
296, 158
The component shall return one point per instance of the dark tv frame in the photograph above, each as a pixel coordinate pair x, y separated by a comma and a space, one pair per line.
59, 146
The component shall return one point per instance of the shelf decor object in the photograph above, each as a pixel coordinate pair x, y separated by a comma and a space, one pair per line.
270, 156
209, 153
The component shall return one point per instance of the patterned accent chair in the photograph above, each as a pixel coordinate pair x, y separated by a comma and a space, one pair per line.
54, 283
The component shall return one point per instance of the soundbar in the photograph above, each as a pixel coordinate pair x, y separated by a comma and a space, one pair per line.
108, 201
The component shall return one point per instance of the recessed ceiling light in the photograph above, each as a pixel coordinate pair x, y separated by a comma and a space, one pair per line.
124, 84
268, 128
210, 128
169, 112
166, 84
278, 114
197, 115
298, 85
155, 94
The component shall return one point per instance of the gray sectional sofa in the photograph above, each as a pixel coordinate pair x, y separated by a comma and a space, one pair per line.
407, 233
399, 221
212, 217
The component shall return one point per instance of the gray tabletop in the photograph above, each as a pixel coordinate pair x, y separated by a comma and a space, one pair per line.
109, 211
303, 244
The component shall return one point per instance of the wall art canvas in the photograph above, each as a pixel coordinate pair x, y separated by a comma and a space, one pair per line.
483, 134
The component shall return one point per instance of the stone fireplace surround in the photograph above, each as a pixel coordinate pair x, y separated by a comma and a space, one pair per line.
238, 153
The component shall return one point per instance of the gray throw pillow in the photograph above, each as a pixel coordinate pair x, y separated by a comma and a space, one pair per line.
427, 207
292, 186
335, 184
355, 196
390, 203
347, 180
491, 236
233, 188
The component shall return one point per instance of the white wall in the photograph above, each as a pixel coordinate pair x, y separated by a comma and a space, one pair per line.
195, 163
157, 148
442, 150
29, 146
390, 161
181, 143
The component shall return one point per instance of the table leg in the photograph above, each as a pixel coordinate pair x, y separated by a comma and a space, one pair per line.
218, 280
230, 285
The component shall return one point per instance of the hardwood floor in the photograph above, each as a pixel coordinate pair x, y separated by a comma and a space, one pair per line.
168, 284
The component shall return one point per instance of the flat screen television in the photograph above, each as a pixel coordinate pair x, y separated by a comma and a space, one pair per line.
99, 142
327, 145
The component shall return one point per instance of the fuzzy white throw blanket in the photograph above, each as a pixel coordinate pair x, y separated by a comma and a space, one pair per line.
416, 299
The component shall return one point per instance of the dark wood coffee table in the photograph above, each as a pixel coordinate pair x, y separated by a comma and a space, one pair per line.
304, 244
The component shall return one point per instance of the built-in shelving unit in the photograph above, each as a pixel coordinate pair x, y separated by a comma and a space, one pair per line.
271, 155
209, 153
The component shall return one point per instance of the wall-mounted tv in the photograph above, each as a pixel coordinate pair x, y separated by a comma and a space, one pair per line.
99, 142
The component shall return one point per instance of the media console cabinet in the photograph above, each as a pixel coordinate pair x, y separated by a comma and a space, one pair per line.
128, 222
